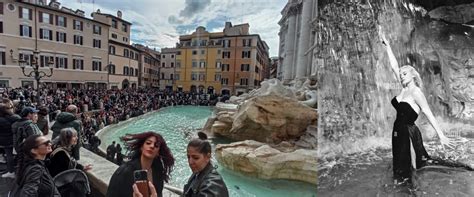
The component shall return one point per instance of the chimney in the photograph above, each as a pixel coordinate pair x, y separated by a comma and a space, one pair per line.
42, 2
228, 25
119, 14
54, 4
80, 12
65, 9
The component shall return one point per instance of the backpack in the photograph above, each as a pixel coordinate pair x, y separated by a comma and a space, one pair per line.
21, 135
72, 161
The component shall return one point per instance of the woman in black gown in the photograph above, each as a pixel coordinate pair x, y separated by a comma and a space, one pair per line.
407, 145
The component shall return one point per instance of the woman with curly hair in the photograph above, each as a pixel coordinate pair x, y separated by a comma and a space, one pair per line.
147, 151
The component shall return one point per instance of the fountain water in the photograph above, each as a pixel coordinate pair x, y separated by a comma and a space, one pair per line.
177, 125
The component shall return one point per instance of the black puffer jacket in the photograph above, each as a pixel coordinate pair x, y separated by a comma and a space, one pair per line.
37, 182
208, 183
6, 133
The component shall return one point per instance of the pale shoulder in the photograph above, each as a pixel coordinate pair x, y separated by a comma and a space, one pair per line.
417, 92
418, 95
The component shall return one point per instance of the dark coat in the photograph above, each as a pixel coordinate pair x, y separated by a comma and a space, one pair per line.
66, 120
22, 129
6, 133
43, 124
207, 183
122, 180
37, 182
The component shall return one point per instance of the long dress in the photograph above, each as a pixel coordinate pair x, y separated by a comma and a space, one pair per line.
404, 131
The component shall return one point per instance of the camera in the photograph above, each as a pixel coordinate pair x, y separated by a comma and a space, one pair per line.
140, 175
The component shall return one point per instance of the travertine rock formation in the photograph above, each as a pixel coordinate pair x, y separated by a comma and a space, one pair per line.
268, 119
263, 161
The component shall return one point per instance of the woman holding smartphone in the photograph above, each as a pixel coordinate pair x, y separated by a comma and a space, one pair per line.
148, 152
205, 180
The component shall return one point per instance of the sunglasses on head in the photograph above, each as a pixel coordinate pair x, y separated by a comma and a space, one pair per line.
46, 143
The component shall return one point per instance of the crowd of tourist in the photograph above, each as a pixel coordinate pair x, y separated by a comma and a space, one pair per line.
76, 115
99, 108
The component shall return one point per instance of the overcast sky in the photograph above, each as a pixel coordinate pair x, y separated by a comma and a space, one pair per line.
158, 23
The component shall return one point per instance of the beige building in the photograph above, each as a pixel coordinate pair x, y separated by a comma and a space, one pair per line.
34, 32
123, 65
168, 76
149, 66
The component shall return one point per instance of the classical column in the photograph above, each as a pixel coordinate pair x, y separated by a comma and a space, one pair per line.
304, 40
289, 46
280, 56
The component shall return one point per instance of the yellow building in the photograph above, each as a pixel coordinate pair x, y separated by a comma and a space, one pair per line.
228, 62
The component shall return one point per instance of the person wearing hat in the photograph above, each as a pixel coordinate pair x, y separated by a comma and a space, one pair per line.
26, 126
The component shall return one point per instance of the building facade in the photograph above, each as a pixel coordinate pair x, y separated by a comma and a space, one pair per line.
168, 76
123, 65
149, 66
273, 67
297, 40
51, 36
228, 62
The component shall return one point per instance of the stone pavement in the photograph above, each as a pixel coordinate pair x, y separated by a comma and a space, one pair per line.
5, 183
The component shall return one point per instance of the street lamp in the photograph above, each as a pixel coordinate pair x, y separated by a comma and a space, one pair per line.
36, 73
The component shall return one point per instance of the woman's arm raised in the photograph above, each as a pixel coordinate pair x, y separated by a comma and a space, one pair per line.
391, 56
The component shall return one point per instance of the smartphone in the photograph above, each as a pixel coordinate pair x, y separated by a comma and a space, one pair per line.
141, 179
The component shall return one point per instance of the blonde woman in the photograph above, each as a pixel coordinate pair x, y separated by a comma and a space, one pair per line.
407, 145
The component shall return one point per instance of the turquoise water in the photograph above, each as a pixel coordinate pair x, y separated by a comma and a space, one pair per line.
177, 125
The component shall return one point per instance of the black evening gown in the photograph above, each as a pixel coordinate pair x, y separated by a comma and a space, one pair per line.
405, 129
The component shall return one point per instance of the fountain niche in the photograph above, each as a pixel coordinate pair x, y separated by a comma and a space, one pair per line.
357, 82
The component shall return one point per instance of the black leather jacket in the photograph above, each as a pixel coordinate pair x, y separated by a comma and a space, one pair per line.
37, 182
207, 183
121, 182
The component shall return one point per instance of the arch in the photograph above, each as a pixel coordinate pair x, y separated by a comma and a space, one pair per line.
225, 92
125, 84
193, 88
210, 90
201, 89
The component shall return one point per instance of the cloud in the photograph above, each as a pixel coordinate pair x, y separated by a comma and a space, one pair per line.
159, 23
175, 20
193, 7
